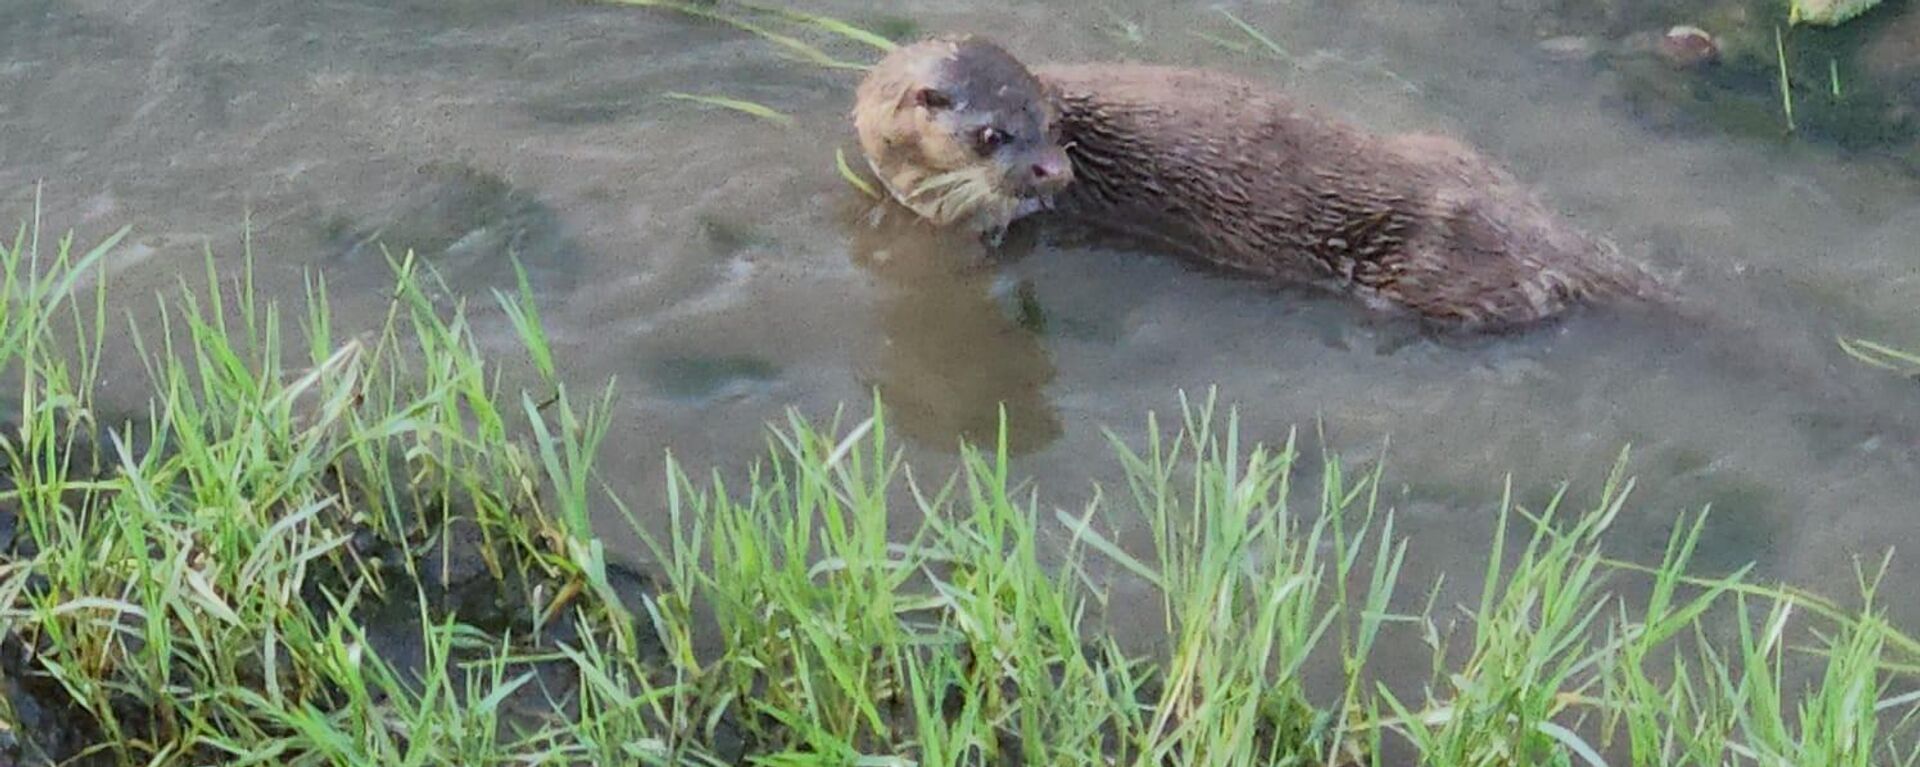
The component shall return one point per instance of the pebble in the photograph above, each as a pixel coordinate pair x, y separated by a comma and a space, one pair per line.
1686, 47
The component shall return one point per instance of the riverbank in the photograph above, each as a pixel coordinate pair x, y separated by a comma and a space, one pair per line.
317, 549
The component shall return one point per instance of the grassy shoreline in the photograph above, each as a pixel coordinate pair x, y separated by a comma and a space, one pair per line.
373, 550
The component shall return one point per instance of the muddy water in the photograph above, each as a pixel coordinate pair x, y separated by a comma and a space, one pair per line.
715, 264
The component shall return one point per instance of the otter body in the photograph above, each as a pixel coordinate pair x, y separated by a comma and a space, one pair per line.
1232, 173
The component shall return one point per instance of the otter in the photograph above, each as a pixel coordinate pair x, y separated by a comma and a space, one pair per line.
1230, 172
1238, 176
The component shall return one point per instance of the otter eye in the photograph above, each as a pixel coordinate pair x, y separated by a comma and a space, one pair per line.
990, 139
932, 99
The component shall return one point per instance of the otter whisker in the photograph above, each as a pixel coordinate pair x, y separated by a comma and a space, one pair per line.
950, 196
946, 183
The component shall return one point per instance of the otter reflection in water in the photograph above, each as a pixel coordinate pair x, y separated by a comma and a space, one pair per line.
955, 352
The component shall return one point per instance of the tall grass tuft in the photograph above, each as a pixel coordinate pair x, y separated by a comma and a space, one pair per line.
327, 544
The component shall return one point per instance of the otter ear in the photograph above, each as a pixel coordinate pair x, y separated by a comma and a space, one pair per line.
931, 98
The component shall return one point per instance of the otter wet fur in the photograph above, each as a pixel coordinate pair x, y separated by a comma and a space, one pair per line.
1232, 173
962, 134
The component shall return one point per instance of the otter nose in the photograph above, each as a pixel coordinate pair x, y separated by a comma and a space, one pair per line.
1049, 168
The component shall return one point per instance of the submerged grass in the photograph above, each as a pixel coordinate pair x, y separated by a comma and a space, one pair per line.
806, 51
1882, 356
1786, 83
852, 177
755, 109
236, 576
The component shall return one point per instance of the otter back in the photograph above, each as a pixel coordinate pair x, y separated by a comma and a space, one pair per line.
1238, 175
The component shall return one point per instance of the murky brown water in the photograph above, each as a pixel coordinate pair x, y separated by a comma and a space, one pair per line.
711, 261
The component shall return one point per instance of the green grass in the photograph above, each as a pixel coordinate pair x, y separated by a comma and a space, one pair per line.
852, 177
788, 44
1882, 356
1786, 83
753, 108
222, 577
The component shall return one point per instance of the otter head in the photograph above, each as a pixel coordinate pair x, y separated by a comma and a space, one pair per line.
961, 133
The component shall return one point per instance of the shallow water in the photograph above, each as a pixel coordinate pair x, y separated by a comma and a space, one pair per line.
716, 266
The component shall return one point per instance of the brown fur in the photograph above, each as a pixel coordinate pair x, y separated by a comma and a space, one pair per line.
1241, 177
924, 156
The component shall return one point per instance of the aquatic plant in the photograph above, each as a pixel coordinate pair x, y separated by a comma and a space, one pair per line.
806, 51
1882, 356
756, 109
852, 177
